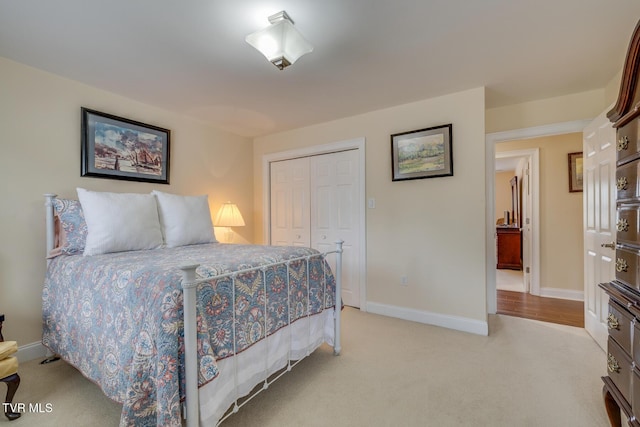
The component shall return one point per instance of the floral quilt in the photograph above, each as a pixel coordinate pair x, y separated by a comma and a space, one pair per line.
118, 317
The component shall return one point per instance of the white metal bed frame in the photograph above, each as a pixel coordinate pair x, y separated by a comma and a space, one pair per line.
190, 282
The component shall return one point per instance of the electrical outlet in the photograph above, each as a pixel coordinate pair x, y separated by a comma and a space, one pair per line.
404, 280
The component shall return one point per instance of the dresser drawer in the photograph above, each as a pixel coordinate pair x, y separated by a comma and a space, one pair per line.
635, 386
627, 225
626, 266
636, 346
619, 368
627, 181
619, 325
627, 142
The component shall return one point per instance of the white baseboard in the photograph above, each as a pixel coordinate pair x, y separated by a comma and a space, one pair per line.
446, 321
31, 351
562, 294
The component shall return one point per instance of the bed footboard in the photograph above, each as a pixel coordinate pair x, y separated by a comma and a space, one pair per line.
190, 282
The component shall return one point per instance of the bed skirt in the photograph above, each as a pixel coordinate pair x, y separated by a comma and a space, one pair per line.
253, 367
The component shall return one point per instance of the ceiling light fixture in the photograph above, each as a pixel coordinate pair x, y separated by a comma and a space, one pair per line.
280, 43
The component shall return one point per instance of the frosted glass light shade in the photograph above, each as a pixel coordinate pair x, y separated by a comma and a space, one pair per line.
229, 216
280, 43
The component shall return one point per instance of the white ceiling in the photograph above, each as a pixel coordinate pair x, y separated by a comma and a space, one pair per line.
190, 56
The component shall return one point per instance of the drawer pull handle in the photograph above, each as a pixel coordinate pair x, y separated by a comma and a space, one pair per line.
622, 225
622, 183
611, 245
612, 321
623, 143
612, 364
621, 265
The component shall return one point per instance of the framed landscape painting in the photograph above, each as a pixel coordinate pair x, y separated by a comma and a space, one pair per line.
118, 148
424, 153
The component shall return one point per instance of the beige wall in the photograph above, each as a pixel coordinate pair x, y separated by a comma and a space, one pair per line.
579, 106
612, 90
40, 142
431, 230
561, 233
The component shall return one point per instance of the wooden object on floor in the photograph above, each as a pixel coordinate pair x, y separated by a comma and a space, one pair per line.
553, 310
509, 243
12, 381
621, 388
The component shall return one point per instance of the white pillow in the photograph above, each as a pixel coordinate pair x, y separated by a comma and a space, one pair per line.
118, 222
185, 220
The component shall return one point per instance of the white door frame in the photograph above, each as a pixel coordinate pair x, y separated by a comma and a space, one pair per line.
490, 141
352, 144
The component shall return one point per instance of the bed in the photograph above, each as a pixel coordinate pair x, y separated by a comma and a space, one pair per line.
181, 331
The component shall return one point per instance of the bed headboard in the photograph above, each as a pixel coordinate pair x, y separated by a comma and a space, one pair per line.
50, 224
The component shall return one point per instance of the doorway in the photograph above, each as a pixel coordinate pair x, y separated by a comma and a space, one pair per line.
490, 141
516, 198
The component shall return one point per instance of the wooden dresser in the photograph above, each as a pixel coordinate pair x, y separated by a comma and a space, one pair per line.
509, 248
622, 384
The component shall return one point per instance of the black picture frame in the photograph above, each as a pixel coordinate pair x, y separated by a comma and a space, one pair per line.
422, 153
118, 148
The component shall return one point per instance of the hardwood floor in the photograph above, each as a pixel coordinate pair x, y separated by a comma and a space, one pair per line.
554, 310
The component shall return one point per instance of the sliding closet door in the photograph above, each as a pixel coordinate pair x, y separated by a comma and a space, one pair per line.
315, 201
290, 203
335, 213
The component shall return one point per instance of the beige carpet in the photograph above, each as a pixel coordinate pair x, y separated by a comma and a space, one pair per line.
391, 373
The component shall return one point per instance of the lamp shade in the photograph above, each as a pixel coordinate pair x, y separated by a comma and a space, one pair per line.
280, 43
229, 216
